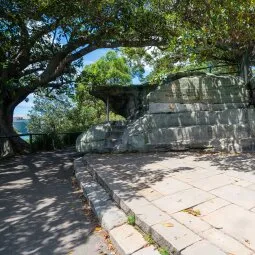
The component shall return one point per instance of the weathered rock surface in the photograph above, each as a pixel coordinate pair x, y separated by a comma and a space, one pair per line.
100, 138
128, 101
195, 112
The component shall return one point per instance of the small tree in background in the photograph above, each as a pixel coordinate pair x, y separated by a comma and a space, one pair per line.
110, 69
62, 113
49, 115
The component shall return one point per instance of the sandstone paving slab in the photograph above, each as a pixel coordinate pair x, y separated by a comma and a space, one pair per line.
214, 182
173, 235
243, 183
193, 176
237, 195
124, 236
169, 186
151, 250
182, 200
211, 205
152, 166
202, 248
194, 223
204, 164
252, 187
150, 194
206, 171
131, 205
149, 215
248, 176
236, 222
225, 242
174, 164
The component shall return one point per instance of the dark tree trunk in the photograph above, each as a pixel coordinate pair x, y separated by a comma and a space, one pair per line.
246, 72
10, 144
245, 66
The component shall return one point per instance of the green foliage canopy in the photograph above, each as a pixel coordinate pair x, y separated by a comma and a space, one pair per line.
50, 115
60, 113
111, 69
207, 32
41, 42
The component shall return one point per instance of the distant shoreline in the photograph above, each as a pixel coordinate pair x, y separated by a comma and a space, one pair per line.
20, 125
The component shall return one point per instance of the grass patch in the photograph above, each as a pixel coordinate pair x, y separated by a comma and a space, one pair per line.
149, 239
163, 251
131, 220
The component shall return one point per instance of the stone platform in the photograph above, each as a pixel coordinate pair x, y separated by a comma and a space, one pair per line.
191, 203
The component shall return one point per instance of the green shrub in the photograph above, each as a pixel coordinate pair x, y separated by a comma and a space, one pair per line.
53, 141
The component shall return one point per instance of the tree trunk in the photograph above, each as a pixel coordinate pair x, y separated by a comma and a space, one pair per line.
10, 143
246, 72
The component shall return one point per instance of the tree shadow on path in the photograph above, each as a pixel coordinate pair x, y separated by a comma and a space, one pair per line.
39, 213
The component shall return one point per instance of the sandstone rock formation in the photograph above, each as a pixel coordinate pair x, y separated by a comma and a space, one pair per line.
101, 138
128, 101
195, 112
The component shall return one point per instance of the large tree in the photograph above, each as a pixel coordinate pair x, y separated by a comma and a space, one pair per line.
41, 41
219, 30
215, 32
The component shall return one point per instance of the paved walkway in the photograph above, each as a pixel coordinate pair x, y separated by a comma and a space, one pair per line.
40, 212
200, 203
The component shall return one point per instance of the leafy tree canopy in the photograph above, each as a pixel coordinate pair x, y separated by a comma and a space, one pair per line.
207, 32
49, 115
62, 113
42, 42
111, 69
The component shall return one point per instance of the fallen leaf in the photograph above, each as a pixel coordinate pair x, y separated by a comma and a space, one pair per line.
247, 241
106, 236
97, 229
169, 225
192, 212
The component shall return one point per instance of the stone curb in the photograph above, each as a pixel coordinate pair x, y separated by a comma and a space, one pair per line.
126, 238
163, 236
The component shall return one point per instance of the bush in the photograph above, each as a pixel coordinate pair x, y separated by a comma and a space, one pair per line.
53, 141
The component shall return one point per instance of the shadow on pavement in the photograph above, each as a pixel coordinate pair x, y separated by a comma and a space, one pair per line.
39, 213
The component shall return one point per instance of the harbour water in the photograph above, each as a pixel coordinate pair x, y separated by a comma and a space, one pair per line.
20, 124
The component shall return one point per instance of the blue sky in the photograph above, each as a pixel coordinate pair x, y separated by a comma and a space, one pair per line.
24, 107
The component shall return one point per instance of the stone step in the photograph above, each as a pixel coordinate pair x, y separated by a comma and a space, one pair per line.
211, 99
198, 132
179, 240
228, 145
126, 238
184, 119
178, 107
